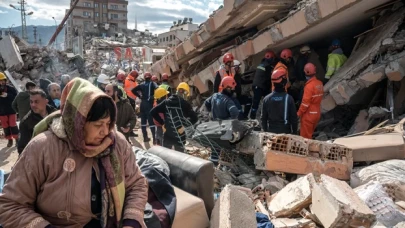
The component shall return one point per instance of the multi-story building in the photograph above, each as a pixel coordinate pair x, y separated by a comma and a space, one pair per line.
178, 32
96, 16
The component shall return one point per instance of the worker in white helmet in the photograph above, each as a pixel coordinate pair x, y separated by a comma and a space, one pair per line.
102, 81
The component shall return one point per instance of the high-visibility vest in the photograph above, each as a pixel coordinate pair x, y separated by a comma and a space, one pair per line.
130, 84
223, 73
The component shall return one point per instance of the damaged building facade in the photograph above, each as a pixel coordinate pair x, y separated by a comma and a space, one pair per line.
372, 36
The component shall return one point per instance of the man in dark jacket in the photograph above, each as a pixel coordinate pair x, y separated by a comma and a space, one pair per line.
145, 92
126, 118
39, 110
21, 103
178, 114
279, 114
243, 99
221, 104
261, 81
8, 117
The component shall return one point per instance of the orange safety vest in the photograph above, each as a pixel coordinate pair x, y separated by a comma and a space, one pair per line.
278, 66
129, 84
222, 72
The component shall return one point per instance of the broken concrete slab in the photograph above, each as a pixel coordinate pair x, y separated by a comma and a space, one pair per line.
293, 198
335, 204
370, 147
361, 123
395, 71
377, 112
10, 53
233, 209
292, 223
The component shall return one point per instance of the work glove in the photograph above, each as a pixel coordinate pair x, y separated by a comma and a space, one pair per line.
3, 95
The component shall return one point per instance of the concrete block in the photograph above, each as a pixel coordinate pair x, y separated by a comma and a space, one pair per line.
246, 49
292, 198
275, 33
11, 54
335, 204
294, 24
312, 13
328, 103
233, 209
394, 71
343, 91
188, 46
209, 25
172, 63
261, 42
179, 52
195, 41
360, 123
370, 147
204, 33
292, 223
371, 75
327, 7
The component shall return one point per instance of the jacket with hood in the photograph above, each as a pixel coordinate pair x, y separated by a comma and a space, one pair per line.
126, 116
21, 103
6, 102
262, 78
27, 125
176, 110
336, 59
52, 181
222, 107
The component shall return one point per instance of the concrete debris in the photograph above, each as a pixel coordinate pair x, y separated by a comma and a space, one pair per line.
292, 223
369, 147
400, 225
293, 198
10, 53
233, 209
377, 112
377, 199
335, 204
360, 124
386, 172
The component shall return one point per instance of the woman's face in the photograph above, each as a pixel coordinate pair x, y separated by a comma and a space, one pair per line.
96, 131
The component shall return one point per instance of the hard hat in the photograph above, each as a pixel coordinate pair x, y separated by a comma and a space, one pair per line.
160, 92
134, 74
2, 76
269, 55
278, 75
228, 81
236, 63
286, 53
184, 86
228, 57
155, 78
121, 77
165, 76
336, 42
103, 79
310, 69
305, 49
147, 75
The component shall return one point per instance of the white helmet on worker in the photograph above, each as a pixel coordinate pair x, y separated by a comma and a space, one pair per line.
236, 63
305, 49
103, 79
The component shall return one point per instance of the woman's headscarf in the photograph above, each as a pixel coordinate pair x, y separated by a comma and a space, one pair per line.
77, 99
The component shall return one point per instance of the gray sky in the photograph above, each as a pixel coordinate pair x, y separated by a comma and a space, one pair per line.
155, 15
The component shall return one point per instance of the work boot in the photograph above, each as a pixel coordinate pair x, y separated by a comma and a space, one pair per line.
10, 143
146, 139
253, 114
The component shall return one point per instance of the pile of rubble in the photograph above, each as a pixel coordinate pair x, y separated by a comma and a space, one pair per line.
25, 62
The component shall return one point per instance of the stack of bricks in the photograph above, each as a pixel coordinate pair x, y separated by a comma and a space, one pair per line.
294, 154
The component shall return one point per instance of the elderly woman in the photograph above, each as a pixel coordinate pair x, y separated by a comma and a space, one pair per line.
77, 171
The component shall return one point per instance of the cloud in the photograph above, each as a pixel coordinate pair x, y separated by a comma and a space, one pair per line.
155, 15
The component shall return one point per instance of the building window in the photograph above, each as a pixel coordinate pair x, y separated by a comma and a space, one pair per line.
85, 13
95, 5
114, 16
125, 15
97, 14
87, 4
114, 6
104, 5
105, 15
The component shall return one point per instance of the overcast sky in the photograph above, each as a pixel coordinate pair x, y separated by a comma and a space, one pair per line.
155, 15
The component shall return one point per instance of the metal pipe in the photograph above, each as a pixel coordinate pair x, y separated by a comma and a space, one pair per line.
62, 23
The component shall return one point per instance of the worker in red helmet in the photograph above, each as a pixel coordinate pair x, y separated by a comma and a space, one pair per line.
155, 79
262, 81
165, 83
286, 62
279, 114
121, 79
129, 84
226, 69
310, 109
145, 92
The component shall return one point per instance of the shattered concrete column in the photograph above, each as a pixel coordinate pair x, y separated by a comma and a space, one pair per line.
233, 209
335, 204
11, 54
395, 71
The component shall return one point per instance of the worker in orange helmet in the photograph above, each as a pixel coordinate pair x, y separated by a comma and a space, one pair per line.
310, 109
226, 69
129, 84
279, 114
286, 62
121, 79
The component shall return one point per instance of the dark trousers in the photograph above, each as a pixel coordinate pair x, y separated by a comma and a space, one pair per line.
258, 93
247, 102
170, 142
146, 118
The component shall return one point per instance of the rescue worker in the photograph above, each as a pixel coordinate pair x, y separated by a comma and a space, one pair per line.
303, 58
155, 79
336, 59
178, 114
262, 81
243, 99
161, 94
121, 79
226, 69
279, 114
21, 103
286, 62
145, 92
129, 84
165, 83
310, 109
8, 117
221, 104
102, 81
